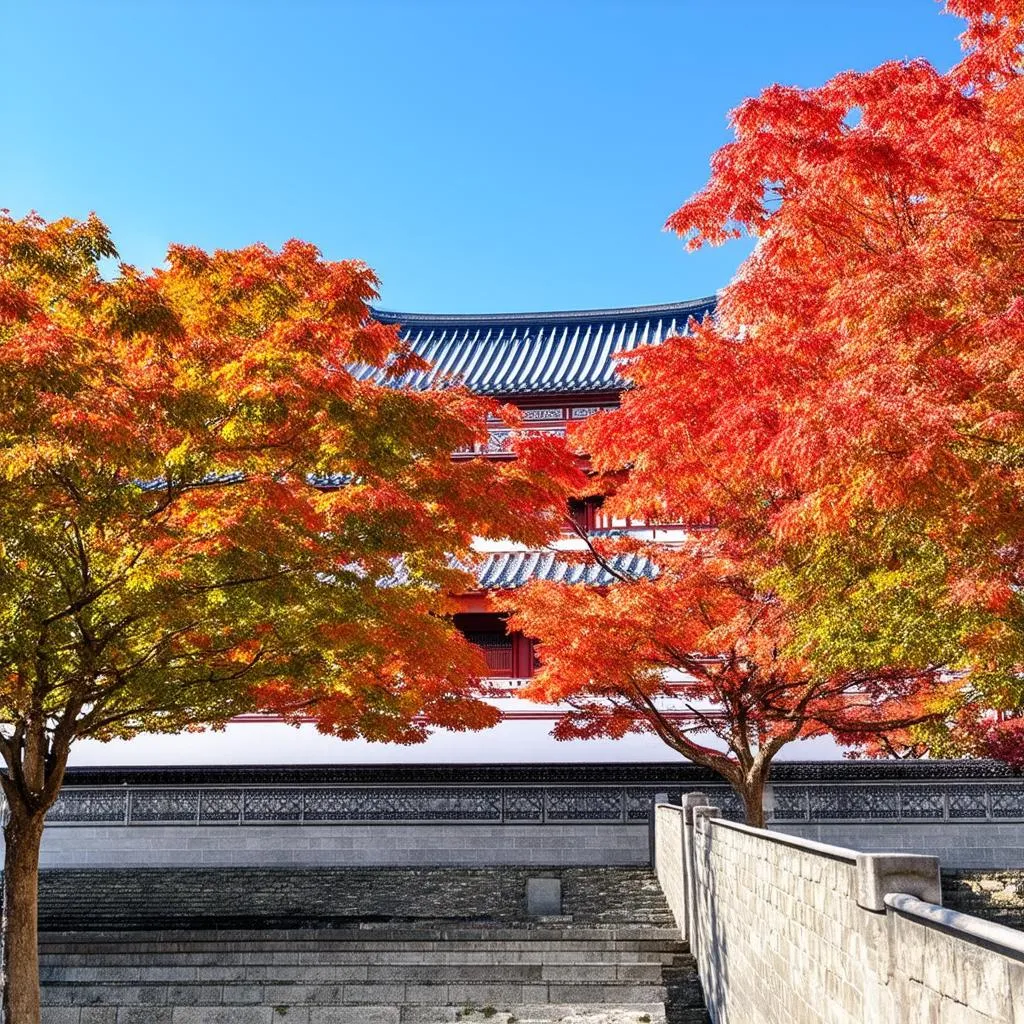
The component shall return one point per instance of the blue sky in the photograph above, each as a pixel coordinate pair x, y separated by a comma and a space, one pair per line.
481, 156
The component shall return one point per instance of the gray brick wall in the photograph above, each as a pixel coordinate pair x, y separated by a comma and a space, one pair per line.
959, 845
462, 845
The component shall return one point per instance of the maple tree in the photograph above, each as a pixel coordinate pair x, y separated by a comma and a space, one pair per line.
877, 397
204, 511
688, 643
852, 423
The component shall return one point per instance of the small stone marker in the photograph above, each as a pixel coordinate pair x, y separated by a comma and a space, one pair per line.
544, 897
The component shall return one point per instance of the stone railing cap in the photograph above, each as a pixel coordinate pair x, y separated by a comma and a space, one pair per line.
879, 874
998, 936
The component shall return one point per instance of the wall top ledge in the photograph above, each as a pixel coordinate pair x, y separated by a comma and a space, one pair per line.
824, 849
999, 937
668, 773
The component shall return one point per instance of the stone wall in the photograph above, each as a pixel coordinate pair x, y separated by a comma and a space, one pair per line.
790, 931
957, 844
105, 899
669, 860
343, 845
969, 813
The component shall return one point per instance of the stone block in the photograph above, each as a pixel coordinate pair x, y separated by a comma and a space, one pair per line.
197, 995
484, 995
61, 1015
379, 995
420, 1015
690, 800
224, 1015
424, 995
593, 973
910, 873
544, 897
351, 1015
95, 1015
142, 1015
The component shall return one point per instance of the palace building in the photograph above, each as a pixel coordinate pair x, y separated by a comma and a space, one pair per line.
558, 368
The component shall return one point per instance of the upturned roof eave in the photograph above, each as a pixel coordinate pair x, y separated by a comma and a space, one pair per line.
573, 316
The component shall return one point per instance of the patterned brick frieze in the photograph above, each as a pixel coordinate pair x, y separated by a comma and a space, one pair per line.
967, 801
240, 803
542, 414
584, 804
164, 805
524, 805
93, 806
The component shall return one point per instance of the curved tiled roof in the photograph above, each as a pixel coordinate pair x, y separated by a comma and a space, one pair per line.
505, 570
535, 353
515, 568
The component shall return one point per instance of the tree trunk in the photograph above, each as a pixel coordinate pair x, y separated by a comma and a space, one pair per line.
22, 836
751, 791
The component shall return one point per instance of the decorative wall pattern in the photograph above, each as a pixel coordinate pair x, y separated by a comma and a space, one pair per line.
524, 805
584, 804
164, 804
500, 439
242, 804
582, 412
90, 806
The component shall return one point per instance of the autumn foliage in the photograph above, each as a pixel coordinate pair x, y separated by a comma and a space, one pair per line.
851, 422
203, 511
876, 402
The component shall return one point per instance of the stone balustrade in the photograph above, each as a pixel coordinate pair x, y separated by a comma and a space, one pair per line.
787, 930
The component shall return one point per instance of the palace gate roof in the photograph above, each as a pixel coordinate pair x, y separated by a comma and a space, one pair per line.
525, 354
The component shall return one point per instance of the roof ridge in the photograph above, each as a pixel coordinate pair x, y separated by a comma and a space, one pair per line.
546, 317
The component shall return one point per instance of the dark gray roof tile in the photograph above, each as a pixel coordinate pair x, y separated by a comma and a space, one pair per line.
506, 570
535, 353
512, 569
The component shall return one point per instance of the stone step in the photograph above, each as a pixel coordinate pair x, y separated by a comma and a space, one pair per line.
347, 994
305, 974
344, 947
623, 952
253, 897
390, 932
385, 954
272, 945
653, 1013
501, 952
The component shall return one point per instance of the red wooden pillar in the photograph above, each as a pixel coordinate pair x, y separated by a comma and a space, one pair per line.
522, 656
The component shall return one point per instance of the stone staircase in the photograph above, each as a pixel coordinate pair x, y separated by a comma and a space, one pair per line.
615, 960
992, 895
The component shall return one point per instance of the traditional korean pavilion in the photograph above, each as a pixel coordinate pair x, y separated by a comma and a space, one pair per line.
557, 368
